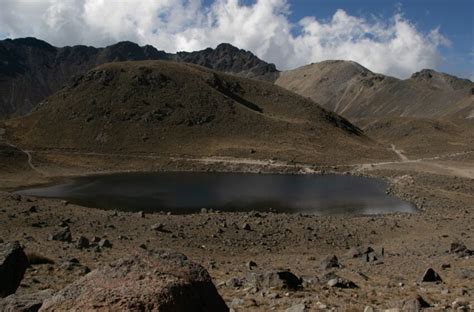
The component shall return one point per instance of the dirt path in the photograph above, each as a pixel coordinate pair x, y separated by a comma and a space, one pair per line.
399, 153
30, 158
434, 164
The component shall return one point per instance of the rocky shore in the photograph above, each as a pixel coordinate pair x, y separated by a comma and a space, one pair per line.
257, 261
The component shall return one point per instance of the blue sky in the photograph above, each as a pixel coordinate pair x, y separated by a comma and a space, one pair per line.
453, 17
391, 37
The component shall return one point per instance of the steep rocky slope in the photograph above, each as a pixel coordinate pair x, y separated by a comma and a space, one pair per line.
170, 109
31, 69
354, 92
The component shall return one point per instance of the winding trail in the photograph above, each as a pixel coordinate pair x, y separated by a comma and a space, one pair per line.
421, 164
399, 153
30, 158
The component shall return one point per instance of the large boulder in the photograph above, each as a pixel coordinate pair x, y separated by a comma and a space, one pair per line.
158, 281
13, 264
25, 302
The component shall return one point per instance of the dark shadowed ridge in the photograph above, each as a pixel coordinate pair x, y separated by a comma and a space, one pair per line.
31, 69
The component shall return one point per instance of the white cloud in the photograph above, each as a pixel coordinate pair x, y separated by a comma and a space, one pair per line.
394, 47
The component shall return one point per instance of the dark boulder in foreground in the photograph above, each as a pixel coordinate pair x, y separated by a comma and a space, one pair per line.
159, 281
13, 264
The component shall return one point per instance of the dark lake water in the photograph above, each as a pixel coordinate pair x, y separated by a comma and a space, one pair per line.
187, 192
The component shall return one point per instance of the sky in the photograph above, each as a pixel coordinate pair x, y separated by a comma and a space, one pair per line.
395, 38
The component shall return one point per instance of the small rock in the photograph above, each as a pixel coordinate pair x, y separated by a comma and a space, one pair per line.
234, 282
246, 227
460, 303
357, 252
73, 265
431, 276
158, 227
203, 210
415, 304
329, 262
105, 243
321, 306
251, 265
371, 257
272, 279
13, 264
96, 239
457, 247
340, 282
16, 197
82, 242
301, 307
141, 214
369, 309
63, 235
237, 302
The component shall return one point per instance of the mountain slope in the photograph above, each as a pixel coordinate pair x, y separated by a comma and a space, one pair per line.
355, 92
31, 69
169, 108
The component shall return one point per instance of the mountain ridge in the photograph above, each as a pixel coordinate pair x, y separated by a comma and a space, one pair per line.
32, 69
354, 91
169, 108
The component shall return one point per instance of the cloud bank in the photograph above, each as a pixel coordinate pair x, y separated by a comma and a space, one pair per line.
395, 47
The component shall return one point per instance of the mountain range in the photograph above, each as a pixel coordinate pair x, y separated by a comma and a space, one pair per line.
31, 70
355, 92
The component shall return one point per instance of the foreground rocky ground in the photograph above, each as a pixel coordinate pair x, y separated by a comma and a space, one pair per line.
268, 261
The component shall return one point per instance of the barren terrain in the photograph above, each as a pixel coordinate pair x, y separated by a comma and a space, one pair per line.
442, 188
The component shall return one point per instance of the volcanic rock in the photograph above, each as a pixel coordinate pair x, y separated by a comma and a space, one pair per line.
160, 281
25, 302
431, 276
63, 235
329, 262
340, 282
273, 279
13, 264
82, 242
415, 305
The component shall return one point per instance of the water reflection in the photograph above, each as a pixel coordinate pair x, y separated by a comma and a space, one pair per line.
186, 192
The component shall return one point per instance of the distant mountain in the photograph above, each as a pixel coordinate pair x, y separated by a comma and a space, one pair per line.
229, 59
31, 69
170, 109
354, 92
